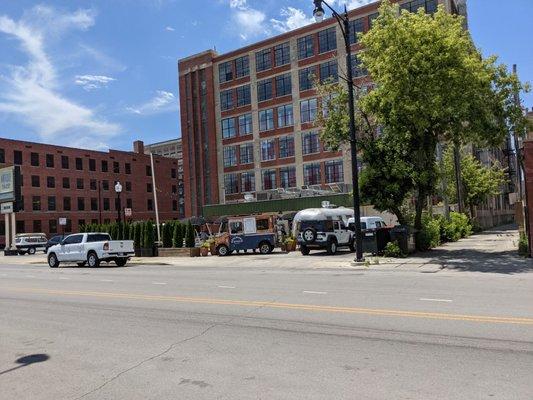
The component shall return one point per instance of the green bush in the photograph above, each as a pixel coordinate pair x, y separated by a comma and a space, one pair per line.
168, 231
429, 236
177, 235
137, 235
457, 227
392, 250
148, 237
189, 235
462, 224
523, 246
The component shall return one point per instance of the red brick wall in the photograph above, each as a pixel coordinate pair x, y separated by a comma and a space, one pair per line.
528, 169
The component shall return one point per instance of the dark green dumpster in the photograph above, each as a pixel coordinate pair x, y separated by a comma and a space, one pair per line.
404, 236
375, 240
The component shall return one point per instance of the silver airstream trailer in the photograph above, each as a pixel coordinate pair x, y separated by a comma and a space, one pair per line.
323, 228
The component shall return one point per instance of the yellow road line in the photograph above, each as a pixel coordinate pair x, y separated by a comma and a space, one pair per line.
288, 306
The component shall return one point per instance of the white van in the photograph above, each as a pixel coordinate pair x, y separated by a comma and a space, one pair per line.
368, 223
30, 243
323, 228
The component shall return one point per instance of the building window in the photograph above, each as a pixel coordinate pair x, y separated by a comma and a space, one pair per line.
287, 177
116, 167
305, 47
357, 26
35, 181
286, 146
52, 203
128, 168
52, 226
268, 179
79, 183
308, 109
310, 143
128, 186
79, 164
245, 124
81, 204
174, 189
149, 188
334, 171
327, 40
264, 90
50, 182
66, 204
36, 203
34, 159
64, 162
92, 184
230, 156
104, 166
329, 72
17, 158
285, 116
92, 164
2, 156
37, 226
430, 6
228, 128
268, 150
225, 72
66, 183
312, 174
105, 184
246, 153
248, 181
283, 85
173, 173
263, 60
21, 226
282, 54
148, 170
371, 19
231, 183
226, 100
266, 120
242, 66
129, 203
306, 77
50, 160
94, 204
357, 68
244, 97
106, 204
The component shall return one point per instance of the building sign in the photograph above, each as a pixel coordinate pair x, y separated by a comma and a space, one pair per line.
127, 212
6, 208
7, 184
62, 221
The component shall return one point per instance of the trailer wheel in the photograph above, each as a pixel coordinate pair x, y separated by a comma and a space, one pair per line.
223, 250
265, 248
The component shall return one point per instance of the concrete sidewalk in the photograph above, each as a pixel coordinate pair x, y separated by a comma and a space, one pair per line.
490, 251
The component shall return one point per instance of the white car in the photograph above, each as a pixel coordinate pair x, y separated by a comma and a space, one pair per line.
368, 223
90, 249
30, 242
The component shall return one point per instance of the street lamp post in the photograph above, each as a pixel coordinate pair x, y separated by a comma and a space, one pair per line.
118, 190
344, 23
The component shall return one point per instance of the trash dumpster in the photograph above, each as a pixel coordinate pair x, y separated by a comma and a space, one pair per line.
375, 240
404, 236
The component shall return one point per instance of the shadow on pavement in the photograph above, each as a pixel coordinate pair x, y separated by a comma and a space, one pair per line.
27, 360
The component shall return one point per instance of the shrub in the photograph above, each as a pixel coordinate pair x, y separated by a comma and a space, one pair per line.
189, 235
148, 237
462, 224
137, 235
167, 234
429, 235
177, 237
523, 246
392, 250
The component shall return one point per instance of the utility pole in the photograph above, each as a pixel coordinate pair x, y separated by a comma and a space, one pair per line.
155, 197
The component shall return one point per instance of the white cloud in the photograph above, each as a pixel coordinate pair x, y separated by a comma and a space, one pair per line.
169, 29
351, 4
31, 91
294, 18
248, 21
93, 82
162, 102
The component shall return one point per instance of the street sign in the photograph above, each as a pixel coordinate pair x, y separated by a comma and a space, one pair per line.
128, 212
7, 184
6, 208
62, 221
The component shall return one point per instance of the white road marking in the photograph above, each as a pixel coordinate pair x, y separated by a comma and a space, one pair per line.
63, 278
226, 287
106, 280
3, 274
30, 276
158, 283
313, 292
439, 300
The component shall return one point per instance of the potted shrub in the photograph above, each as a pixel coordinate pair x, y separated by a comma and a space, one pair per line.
189, 240
204, 250
290, 244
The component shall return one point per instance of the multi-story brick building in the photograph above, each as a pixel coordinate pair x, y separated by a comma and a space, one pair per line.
173, 149
77, 184
247, 116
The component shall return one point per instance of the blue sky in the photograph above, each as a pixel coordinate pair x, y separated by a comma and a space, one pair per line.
102, 73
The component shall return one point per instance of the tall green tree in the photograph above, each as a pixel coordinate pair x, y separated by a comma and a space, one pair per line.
189, 235
148, 237
177, 237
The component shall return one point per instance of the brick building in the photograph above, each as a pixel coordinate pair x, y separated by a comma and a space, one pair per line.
247, 116
77, 184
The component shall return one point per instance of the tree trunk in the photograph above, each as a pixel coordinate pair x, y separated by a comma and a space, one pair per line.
399, 216
419, 208
458, 178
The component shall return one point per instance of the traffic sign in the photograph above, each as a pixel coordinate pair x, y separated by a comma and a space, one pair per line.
6, 208
62, 221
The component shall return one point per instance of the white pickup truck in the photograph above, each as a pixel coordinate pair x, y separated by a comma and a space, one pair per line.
90, 249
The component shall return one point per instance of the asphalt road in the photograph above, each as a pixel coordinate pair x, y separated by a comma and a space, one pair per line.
160, 332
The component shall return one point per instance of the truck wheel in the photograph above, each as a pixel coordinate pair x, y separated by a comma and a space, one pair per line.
304, 250
332, 247
21, 253
309, 235
265, 248
92, 260
31, 250
121, 262
223, 250
352, 245
52, 261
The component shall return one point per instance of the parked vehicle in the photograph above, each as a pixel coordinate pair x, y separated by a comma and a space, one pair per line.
90, 249
323, 228
255, 232
30, 243
367, 223
53, 241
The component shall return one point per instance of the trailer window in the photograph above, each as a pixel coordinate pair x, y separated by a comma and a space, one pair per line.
262, 224
236, 227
